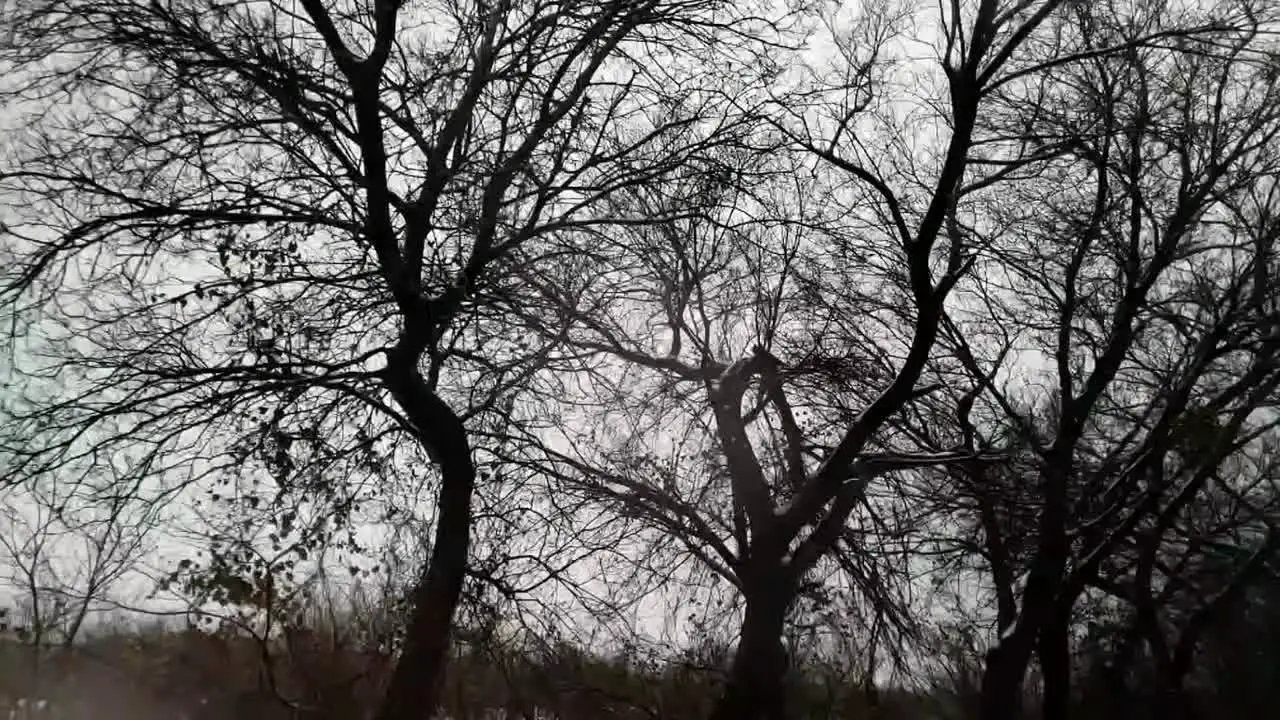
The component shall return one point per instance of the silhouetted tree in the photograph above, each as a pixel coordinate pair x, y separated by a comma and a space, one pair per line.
276, 239
1139, 270
751, 367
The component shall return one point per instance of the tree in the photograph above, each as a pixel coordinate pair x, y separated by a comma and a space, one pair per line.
753, 369
1144, 275
1181, 579
1236, 666
273, 239
65, 548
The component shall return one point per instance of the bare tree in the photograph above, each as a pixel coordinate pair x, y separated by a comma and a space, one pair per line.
1180, 577
805, 293
1144, 276
66, 547
273, 238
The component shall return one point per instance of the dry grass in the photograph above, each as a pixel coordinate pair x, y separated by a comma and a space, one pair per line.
186, 674
155, 674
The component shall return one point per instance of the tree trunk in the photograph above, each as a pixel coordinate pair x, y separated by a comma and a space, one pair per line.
1109, 683
755, 686
1171, 701
1006, 665
1003, 674
1055, 666
415, 687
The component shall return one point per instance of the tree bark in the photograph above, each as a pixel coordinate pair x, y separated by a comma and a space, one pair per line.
415, 687
755, 686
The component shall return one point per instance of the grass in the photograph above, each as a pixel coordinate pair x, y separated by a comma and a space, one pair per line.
163, 673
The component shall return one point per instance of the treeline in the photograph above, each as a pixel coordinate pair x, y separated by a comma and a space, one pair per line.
325, 673
916, 340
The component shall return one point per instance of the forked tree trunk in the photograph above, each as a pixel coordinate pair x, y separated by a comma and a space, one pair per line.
1007, 663
754, 689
